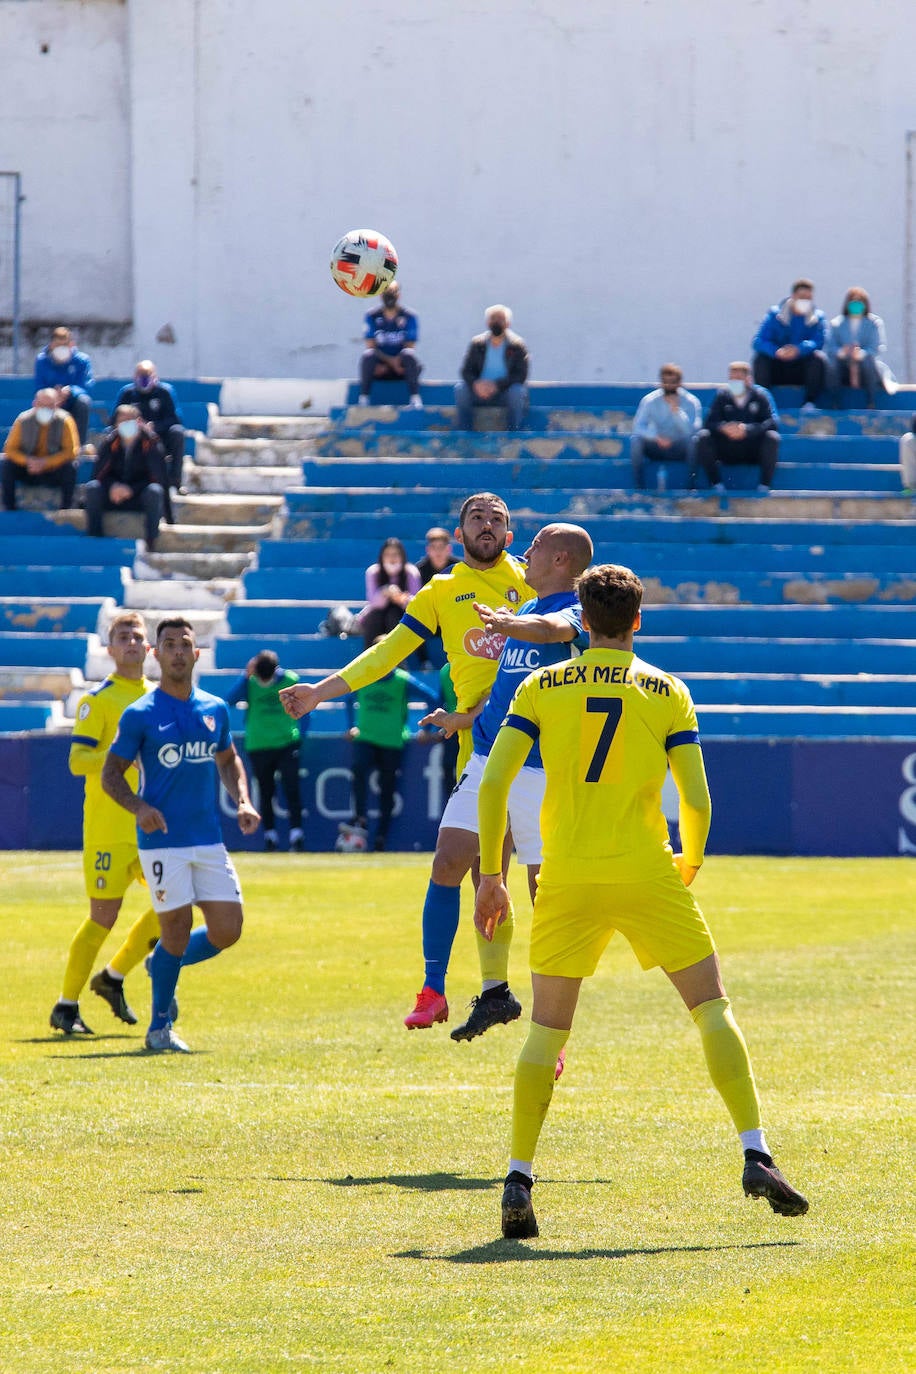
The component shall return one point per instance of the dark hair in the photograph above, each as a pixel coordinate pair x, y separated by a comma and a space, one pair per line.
856, 293
611, 596
382, 579
803, 284
173, 622
266, 664
481, 496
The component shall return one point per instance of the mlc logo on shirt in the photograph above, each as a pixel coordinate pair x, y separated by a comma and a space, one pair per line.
192, 751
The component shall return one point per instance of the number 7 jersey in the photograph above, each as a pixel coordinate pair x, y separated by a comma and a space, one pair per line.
605, 723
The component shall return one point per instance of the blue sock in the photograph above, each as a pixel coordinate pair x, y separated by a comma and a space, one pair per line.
440, 924
199, 948
163, 971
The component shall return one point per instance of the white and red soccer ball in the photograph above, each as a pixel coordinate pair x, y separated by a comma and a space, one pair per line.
363, 262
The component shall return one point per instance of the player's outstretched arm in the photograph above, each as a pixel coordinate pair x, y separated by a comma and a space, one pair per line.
538, 629
298, 700
232, 776
118, 788
689, 773
450, 722
510, 749
491, 905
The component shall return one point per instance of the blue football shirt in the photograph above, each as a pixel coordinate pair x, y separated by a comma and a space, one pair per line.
521, 657
173, 742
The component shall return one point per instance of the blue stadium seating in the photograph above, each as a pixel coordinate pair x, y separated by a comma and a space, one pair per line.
49, 615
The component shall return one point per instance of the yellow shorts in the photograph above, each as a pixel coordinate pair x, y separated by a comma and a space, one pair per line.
465, 750
110, 872
572, 925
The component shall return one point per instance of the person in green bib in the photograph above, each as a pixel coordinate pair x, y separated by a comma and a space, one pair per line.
379, 734
271, 741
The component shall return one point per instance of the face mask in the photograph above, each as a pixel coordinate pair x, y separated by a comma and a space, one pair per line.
497, 329
856, 308
43, 414
128, 430
61, 353
144, 382
736, 386
803, 307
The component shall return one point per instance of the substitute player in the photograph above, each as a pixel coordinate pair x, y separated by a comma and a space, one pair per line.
110, 862
546, 631
487, 575
175, 733
609, 725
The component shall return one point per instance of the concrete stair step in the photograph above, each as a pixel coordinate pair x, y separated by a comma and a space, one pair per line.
180, 593
253, 481
284, 427
244, 453
18, 684
213, 538
225, 508
207, 623
98, 663
193, 564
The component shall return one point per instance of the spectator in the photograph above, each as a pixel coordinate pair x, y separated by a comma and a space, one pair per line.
156, 403
438, 557
272, 742
40, 450
907, 452
855, 345
61, 365
390, 334
664, 427
789, 345
741, 427
129, 474
494, 371
390, 584
379, 735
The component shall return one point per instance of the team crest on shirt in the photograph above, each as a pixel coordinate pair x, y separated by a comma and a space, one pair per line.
481, 643
513, 595
210, 722
84, 710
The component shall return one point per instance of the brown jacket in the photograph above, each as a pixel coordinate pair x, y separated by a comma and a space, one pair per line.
57, 442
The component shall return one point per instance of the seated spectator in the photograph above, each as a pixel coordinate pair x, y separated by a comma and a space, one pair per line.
494, 371
390, 334
438, 556
789, 345
272, 741
129, 474
40, 450
741, 427
379, 736
61, 365
664, 427
155, 401
855, 344
907, 451
390, 584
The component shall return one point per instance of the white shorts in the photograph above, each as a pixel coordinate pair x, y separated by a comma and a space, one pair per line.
197, 873
525, 798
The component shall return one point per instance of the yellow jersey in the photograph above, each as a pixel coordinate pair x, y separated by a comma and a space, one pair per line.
446, 606
97, 716
606, 723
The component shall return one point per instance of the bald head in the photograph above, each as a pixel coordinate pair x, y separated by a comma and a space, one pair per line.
558, 554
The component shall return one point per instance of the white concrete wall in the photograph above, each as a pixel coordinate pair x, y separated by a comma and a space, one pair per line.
639, 179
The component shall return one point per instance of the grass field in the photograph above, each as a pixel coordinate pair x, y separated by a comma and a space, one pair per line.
315, 1188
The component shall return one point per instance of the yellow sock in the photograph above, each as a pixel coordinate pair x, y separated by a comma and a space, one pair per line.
494, 954
534, 1079
140, 939
85, 945
728, 1062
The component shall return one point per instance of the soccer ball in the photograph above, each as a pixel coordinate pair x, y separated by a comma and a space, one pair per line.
353, 839
363, 262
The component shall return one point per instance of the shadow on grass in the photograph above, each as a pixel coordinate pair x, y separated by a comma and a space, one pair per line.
70, 1040
418, 1183
138, 1052
514, 1252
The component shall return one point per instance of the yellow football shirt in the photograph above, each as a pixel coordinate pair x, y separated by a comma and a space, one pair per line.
97, 715
606, 722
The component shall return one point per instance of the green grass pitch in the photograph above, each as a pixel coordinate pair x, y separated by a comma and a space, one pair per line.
316, 1189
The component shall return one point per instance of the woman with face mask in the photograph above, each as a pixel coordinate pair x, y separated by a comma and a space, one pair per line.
855, 349
390, 584
391, 333
129, 475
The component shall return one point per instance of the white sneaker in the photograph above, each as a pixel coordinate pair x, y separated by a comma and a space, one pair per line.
720, 488
763, 489
362, 400
416, 403
165, 1039
809, 408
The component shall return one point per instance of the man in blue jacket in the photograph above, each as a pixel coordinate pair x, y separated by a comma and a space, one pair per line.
789, 345
61, 365
156, 403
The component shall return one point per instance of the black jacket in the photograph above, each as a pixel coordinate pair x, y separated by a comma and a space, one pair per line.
756, 413
516, 360
139, 465
156, 405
